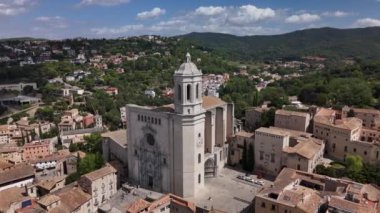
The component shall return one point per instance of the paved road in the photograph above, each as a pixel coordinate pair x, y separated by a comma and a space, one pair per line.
31, 110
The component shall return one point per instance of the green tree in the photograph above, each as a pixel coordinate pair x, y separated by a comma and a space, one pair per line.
90, 163
45, 114
250, 158
27, 90
354, 163
93, 143
267, 118
73, 147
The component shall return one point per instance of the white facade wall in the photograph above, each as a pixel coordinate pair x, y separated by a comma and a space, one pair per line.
17, 184
102, 189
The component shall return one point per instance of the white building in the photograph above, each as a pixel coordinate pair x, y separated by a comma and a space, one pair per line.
174, 147
101, 184
16, 176
18, 87
277, 148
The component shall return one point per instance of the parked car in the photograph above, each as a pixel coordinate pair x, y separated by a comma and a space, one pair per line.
259, 182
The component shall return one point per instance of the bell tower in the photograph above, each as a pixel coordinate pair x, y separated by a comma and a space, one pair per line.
188, 88
189, 127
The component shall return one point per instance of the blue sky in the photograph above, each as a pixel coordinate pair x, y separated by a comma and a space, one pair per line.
56, 19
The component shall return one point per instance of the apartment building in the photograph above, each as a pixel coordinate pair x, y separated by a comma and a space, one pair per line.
277, 148
68, 199
301, 192
346, 136
37, 149
70, 120
293, 120
9, 134
100, 184
370, 117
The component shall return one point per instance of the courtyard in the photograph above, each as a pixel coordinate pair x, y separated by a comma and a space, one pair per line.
228, 193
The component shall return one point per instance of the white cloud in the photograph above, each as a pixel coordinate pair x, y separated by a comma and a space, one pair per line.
250, 13
51, 22
48, 18
336, 14
103, 2
302, 18
15, 7
126, 29
209, 11
240, 20
368, 22
154, 13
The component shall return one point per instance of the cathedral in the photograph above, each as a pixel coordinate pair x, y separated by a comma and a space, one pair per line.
173, 148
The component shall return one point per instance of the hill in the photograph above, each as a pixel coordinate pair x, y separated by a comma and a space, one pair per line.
23, 39
329, 42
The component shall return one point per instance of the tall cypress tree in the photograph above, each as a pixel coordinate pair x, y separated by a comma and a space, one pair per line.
244, 157
250, 158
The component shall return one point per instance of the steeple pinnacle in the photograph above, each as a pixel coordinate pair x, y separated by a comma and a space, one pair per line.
188, 58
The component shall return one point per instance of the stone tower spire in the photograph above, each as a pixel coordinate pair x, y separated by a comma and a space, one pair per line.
188, 88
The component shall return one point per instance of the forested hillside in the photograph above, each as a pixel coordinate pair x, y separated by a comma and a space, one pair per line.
328, 42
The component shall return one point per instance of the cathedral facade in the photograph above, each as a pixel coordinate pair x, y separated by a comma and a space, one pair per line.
173, 148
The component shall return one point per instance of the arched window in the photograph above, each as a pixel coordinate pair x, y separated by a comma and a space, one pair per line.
197, 91
179, 92
199, 178
188, 92
150, 139
199, 158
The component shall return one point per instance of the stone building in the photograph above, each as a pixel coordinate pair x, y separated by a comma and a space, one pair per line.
37, 149
173, 148
115, 152
370, 117
301, 192
130, 199
298, 121
276, 148
238, 142
346, 136
253, 116
101, 184
68, 199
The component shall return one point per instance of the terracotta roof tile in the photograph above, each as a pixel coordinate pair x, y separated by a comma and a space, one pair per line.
100, 173
137, 206
4, 164
48, 200
10, 196
245, 134
71, 199
291, 113
210, 102
16, 172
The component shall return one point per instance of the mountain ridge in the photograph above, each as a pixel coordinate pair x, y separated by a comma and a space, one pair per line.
328, 42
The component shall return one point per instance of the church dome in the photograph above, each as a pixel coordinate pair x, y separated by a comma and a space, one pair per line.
188, 68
